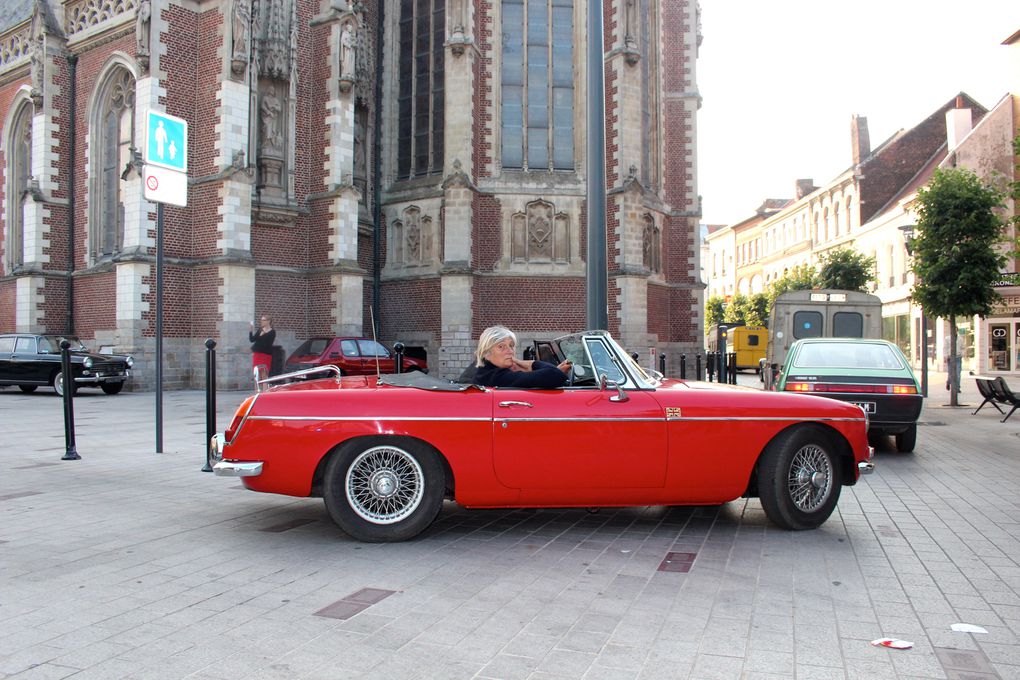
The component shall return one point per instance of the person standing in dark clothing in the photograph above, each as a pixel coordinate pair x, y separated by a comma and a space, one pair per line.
262, 342
498, 367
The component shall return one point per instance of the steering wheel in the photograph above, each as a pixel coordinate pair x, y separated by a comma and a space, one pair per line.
574, 373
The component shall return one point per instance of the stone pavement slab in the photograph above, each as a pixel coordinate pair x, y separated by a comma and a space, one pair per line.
133, 564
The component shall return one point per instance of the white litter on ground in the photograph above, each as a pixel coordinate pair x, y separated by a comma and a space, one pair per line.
967, 628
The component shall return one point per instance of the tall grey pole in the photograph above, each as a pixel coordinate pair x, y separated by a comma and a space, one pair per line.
159, 328
597, 304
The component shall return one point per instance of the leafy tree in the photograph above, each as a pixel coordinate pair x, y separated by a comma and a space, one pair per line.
758, 308
714, 307
845, 269
801, 277
956, 258
735, 309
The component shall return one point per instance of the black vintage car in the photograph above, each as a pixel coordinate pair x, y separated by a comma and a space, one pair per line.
29, 361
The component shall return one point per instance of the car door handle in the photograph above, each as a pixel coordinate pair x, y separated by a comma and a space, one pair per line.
511, 404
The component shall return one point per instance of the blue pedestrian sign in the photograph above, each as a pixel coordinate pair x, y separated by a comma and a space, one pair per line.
166, 141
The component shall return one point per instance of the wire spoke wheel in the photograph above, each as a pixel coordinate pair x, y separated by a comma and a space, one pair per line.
800, 477
384, 485
810, 479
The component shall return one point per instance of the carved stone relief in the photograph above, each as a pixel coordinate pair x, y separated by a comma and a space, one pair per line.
273, 27
86, 14
15, 47
539, 234
413, 239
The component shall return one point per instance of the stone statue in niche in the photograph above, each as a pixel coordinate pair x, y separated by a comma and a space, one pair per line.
457, 30
270, 116
143, 24
347, 52
240, 25
38, 48
360, 151
631, 54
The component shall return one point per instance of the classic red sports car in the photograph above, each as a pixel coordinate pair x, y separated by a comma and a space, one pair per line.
385, 451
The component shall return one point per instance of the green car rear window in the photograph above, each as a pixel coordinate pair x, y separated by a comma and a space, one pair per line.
832, 355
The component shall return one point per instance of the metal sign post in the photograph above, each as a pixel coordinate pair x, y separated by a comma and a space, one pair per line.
166, 181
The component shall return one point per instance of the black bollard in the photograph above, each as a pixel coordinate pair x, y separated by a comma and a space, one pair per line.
398, 367
683, 367
210, 400
710, 366
71, 452
697, 367
733, 368
662, 363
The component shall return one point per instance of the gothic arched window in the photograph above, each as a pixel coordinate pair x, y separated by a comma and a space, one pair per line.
421, 84
112, 137
19, 174
537, 111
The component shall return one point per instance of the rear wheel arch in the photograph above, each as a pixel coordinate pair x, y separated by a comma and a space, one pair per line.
382, 488
320, 470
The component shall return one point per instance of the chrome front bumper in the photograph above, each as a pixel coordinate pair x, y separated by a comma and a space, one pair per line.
867, 467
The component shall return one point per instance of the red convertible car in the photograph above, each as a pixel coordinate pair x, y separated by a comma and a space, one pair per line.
384, 452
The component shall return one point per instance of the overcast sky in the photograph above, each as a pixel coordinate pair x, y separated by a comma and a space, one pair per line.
780, 81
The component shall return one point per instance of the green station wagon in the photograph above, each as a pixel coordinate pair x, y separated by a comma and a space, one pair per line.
872, 374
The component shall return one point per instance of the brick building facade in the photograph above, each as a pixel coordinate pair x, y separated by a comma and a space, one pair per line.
417, 163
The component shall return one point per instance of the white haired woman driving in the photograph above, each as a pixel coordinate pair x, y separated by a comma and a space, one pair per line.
498, 367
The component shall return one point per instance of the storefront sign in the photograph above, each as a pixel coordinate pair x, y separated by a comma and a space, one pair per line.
1009, 305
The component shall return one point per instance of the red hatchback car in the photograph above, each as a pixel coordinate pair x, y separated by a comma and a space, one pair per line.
353, 356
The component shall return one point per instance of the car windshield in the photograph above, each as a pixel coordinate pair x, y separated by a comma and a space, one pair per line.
848, 355
602, 349
51, 344
315, 346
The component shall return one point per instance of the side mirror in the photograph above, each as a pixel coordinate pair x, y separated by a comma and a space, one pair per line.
605, 383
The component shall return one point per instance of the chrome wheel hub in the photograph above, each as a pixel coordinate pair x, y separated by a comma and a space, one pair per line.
384, 485
810, 479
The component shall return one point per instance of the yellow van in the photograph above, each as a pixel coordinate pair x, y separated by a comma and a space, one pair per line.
748, 342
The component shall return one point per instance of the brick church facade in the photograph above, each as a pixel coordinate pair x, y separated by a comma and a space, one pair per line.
416, 164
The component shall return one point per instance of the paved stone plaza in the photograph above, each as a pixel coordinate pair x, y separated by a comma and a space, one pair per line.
133, 564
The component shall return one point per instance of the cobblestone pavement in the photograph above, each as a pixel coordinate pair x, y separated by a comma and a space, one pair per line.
133, 564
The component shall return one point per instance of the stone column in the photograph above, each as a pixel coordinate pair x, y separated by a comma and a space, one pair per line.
456, 342
235, 271
347, 278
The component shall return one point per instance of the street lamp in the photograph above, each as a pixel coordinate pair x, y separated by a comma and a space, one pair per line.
908, 244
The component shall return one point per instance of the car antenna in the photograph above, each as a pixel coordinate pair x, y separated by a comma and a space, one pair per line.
378, 373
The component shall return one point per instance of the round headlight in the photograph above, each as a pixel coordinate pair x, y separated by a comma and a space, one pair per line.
88, 362
130, 362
